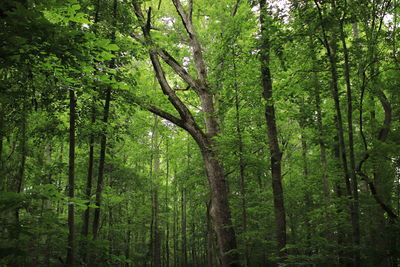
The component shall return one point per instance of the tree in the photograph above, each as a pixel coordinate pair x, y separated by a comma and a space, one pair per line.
220, 211
276, 154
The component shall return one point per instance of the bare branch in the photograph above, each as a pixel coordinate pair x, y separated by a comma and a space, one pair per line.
166, 115
148, 23
138, 39
167, 90
170, 60
190, 10
235, 8
197, 51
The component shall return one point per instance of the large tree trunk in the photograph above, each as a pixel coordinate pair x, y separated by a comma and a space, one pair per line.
209, 237
71, 180
276, 154
220, 211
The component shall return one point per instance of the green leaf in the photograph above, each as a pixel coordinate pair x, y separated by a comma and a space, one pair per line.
113, 47
76, 7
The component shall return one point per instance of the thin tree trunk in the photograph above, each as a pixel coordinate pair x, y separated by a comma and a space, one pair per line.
209, 237
23, 150
341, 255
175, 219
71, 180
307, 197
1, 148
100, 178
156, 244
331, 53
320, 127
355, 205
103, 143
88, 190
167, 205
184, 261
89, 180
193, 244
128, 238
276, 154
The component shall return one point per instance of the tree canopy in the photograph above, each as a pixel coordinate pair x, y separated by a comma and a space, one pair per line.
199, 133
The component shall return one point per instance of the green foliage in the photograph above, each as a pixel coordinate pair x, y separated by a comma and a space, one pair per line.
155, 179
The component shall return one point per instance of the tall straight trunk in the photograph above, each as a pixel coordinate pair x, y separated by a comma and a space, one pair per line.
154, 173
341, 255
320, 128
355, 208
193, 244
110, 234
89, 181
22, 150
1, 147
184, 260
331, 53
100, 178
21, 169
307, 197
71, 180
103, 143
184, 256
276, 154
128, 238
175, 222
167, 205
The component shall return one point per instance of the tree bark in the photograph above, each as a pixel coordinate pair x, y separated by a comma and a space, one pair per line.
155, 172
100, 178
89, 181
209, 237
71, 180
1, 147
276, 154
184, 256
175, 221
167, 260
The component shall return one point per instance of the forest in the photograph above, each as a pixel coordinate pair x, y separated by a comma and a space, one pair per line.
199, 133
